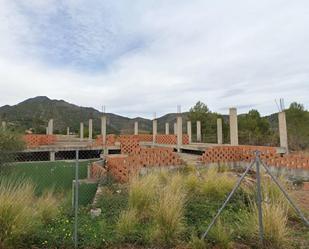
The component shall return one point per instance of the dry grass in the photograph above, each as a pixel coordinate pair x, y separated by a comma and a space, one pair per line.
47, 207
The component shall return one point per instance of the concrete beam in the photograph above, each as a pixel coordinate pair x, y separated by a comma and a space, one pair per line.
233, 126
189, 131
219, 131
52, 156
175, 128
136, 128
154, 130
51, 127
283, 133
81, 131
198, 131
103, 128
179, 132
167, 128
90, 129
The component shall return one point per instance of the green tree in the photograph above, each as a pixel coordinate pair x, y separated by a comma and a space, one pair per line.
298, 126
254, 129
200, 112
10, 143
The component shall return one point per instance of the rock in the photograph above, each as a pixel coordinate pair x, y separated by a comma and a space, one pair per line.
95, 212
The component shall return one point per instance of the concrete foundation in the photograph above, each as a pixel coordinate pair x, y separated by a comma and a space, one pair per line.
198, 131
154, 130
219, 131
167, 128
81, 131
135, 128
179, 133
189, 131
283, 134
51, 127
233, 126
90, 128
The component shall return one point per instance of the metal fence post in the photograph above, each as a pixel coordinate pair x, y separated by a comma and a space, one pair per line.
76, 199
259, 197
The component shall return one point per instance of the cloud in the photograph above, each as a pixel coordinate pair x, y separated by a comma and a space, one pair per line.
142, 57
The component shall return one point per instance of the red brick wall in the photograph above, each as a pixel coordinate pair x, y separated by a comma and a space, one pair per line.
246, 153
123, 166
36, 140
96, 171
171, 139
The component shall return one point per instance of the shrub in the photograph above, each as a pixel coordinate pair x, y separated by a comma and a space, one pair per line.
17, 216
197, 243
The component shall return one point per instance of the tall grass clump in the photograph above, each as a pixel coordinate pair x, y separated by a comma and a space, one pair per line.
217, 185
142, 193
127, 226
275, 219
168, 212
47, 207
220, 235
17, 216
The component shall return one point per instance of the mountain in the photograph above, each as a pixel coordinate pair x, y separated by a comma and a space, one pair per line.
35, 112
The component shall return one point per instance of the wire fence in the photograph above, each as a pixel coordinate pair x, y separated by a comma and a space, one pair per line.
54, 189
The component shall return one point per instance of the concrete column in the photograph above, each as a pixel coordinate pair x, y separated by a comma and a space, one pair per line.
68, 131
189, 131
179, 133
81, 131
103, 128
51, 127
154, 130
283, 134
3, 125
198, 131
135, 128
47, 132
175, 128
167, 128
233, 126
90, 128
219, 131
52, 156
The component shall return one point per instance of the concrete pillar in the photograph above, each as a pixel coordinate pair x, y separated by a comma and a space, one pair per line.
47, 132
167, 128
179, 133
233, 126
219, 131
81, 131
175, 128
135, 128
283, 134
103, 129
154, 130
189, 131
90, 128
198, 131
3, 125
52, 156
68, 131
51, 127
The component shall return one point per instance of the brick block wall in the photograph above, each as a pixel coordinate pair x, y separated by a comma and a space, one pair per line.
97, 171
110, 140
36, 140
171, 139
224, 154
124, 166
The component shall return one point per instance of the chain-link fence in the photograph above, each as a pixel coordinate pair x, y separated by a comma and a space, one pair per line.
46, 198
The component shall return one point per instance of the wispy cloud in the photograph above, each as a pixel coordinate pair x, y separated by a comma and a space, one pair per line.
138, 57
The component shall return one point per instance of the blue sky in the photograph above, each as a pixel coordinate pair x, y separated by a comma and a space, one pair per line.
140, 57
